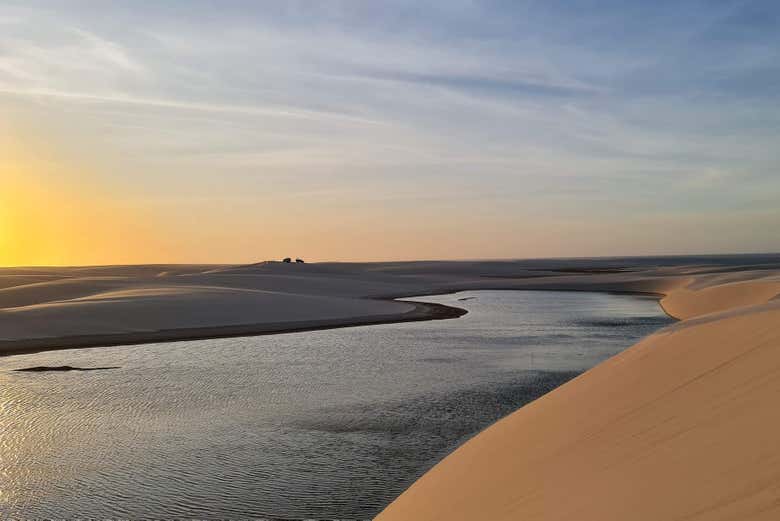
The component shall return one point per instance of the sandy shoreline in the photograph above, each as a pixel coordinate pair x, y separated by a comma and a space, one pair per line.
422, 311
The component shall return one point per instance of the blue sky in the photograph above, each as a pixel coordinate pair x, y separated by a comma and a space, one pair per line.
400, 130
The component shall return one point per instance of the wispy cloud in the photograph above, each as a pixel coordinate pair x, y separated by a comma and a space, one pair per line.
247, 110
620, 99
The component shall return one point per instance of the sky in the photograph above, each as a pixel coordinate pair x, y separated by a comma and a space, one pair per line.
230, 131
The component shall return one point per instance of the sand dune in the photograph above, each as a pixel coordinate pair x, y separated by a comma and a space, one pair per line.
708, 296
683, 425
158, 308
51, 308
61, 307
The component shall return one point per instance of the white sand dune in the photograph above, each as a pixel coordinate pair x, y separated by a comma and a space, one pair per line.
161, 308
49, 308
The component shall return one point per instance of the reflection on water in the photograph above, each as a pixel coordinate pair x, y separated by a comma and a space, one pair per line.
324, 424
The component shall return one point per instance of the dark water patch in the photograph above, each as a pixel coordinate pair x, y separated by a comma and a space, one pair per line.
61, 368
449, 415
630, 322
406, 438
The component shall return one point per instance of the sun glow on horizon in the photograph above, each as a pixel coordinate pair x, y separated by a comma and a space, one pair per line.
52, 214
432, 130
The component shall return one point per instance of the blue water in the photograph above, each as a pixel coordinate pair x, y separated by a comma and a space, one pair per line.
326, 424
